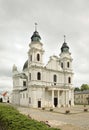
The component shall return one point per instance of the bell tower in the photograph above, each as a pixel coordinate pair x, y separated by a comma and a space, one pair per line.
35, 53
66, 63
65, 56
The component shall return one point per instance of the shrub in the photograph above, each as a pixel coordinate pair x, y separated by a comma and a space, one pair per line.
43, 108
1, 100
67, 111
11, 119
85, 109
51, 109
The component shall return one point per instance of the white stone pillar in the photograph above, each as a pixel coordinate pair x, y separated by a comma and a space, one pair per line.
67, 97
63, 98
58, 99
53, 98
72, 97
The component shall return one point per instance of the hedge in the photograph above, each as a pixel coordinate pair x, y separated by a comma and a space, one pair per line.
11, 119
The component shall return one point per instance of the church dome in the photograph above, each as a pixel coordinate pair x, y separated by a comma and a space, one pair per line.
64, 47
23, 76
25, 65
35, 36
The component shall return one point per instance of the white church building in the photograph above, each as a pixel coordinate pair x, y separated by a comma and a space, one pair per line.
40, 85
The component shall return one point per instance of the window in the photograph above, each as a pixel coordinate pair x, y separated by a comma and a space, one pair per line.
61, 64
69, 80
38, 76
55, 78
38, 57
29, 99
68, 64
24, 83
30, 57
29, 76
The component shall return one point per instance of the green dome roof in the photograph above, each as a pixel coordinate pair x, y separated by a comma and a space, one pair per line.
35, 36
64, 47
25, 65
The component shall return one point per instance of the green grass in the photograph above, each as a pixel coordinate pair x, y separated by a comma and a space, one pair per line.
11, 119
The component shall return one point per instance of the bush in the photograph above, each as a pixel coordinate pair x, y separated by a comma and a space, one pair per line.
11, 119
67, 111
85, 109
51, 109
43, 108
1, 100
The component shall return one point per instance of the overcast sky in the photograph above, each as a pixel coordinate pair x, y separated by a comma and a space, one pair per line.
55, 18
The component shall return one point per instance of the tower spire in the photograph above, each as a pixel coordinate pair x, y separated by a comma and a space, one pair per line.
64, 38
35, 36
36, 26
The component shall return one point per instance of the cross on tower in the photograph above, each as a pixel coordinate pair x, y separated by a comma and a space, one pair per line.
64, 38
36, 26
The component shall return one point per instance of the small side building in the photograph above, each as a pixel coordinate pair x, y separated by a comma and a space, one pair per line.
81, 97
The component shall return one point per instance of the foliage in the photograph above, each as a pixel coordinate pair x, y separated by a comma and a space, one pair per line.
84, 87
11, 119
76, 89
1, 100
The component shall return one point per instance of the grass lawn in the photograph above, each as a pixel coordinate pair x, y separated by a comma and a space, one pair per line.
11, 119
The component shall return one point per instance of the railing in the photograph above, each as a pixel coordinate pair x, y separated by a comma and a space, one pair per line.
48, 84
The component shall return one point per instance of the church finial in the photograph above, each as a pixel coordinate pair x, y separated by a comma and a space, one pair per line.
36, 26
64, 38
35, 36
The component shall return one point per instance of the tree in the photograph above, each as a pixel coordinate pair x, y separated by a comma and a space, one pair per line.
84, 87
1, 100
76, 89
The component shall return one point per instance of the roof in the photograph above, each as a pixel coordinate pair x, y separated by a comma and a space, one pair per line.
25, 66
64, 47
35, 36
22, 75
25, 89
82, 92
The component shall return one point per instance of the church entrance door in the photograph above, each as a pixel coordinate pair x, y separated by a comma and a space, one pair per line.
55, 102
39, 104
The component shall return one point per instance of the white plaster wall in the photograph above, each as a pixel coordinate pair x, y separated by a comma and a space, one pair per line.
24, 98
48, 98
16, 97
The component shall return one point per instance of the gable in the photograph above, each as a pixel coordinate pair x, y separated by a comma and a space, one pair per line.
53, 63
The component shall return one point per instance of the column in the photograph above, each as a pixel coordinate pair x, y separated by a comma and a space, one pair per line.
67, 98
63, 98
58, 99
72, 97
52, 98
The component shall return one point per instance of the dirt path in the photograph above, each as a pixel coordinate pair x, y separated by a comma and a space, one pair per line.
65, 122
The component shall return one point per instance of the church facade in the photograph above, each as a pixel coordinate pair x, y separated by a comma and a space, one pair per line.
40, 85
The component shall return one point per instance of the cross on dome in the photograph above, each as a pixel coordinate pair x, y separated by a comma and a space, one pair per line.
64, 38
36, 36
36, 26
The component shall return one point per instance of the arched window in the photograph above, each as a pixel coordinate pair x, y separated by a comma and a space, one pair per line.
69, 80
38, 76
24, 83
55, 78
61, 64
29, 76
30, 57
68, 64
38, 57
